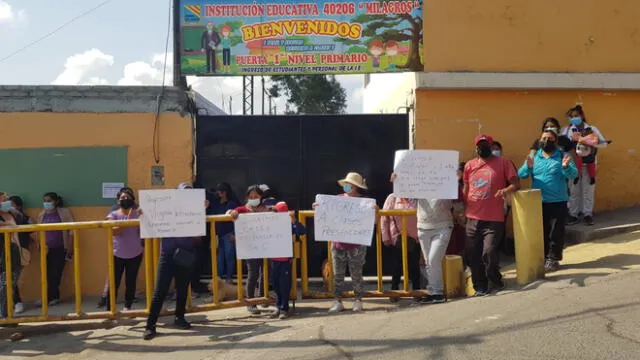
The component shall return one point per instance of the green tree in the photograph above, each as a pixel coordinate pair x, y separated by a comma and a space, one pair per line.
310, 94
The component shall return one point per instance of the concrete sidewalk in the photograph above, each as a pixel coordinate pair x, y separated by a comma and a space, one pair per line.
609, 223
592, 302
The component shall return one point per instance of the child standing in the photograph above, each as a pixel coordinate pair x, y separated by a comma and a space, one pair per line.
348, 254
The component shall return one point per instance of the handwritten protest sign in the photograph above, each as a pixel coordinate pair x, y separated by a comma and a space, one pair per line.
426, 174
172, 213
263, 235
344, 219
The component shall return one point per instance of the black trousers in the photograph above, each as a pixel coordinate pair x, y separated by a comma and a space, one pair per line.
281, 275
413, 259
168, 270
554, 216
130, 269
211, 61
483, 238
55, 266
202, 252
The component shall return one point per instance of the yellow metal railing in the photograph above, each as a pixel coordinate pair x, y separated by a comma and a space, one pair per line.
380, 292
151, 258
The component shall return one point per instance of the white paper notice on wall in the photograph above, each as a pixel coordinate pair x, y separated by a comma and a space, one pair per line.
344, 219
110, 189
172, 213
426, 174
263, 235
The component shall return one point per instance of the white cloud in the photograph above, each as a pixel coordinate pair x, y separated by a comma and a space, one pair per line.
148, 73
83, 68
9, 15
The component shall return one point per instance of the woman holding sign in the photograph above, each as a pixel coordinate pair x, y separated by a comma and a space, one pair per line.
255, 197
348, 254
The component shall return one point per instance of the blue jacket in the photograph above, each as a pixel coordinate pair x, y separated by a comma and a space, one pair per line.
549, 176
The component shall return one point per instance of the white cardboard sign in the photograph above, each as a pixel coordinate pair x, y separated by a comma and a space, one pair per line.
426, 174
344, 219
263, 235
172, 213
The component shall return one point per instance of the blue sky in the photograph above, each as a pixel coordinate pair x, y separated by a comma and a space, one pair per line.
121, 43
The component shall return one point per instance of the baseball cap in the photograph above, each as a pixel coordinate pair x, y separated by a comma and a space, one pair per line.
185, 185
483, 137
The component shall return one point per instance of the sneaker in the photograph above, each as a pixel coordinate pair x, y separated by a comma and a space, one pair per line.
551, 266
497, 287
149, 334
126, 308
275, 314
589, 220
336, 307
572, 220
480, 293
182, 324
283, 315
18, 308
102, 302
357, 306
253, 309
265, 306
433, 299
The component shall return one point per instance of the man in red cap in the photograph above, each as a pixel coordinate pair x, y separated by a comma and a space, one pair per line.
487, 181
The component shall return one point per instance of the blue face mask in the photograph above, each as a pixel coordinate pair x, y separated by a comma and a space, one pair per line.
576, 121
48, 206
5, 206
496, 153
347, 188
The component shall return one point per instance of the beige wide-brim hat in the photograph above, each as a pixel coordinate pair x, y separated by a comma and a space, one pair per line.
355, 179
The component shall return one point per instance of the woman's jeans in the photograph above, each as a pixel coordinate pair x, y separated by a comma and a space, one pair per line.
167, 271
434, 244
55, 266
254, 277
226, 257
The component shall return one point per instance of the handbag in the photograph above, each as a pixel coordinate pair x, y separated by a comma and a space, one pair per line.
184, 258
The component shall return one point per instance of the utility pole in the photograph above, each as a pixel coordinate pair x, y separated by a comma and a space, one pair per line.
263, 92
270, 106
247, 95
230, 107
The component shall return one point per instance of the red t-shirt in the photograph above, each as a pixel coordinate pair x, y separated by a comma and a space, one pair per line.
483, 179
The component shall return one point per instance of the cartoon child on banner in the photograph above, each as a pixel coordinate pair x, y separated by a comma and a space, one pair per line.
226, 48
375, 48
209, 41
392, 49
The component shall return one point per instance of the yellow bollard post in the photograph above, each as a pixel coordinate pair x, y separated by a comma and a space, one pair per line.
330, 266
8, 274
239, 288
148, 274
405, 260
529, 241
44, 285
76, 271
304, 270
214, 265
379, 253
453, 276
111, 270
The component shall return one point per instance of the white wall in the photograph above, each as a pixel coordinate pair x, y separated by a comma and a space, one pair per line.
385, 93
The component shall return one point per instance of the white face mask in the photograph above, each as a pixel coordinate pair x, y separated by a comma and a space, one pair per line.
253, 202
496, 153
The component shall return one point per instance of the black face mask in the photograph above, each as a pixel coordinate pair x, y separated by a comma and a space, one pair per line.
484, 151
126, 203
548, 146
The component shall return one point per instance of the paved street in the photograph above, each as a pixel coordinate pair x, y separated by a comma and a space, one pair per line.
588, 310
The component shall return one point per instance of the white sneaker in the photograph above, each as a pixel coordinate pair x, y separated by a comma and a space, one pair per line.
252, 309
357, 306
336, 307
18, 308
126, 309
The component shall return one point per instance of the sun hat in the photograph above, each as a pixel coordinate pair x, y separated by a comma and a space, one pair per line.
355, 179
185, 185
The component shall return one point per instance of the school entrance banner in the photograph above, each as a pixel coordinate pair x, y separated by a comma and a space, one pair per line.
285, 37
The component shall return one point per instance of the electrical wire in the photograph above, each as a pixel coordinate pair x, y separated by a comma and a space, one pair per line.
156, 124
56, 30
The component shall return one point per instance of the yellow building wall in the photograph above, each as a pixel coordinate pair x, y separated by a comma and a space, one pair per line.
539, 36
450, 119
134, 130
